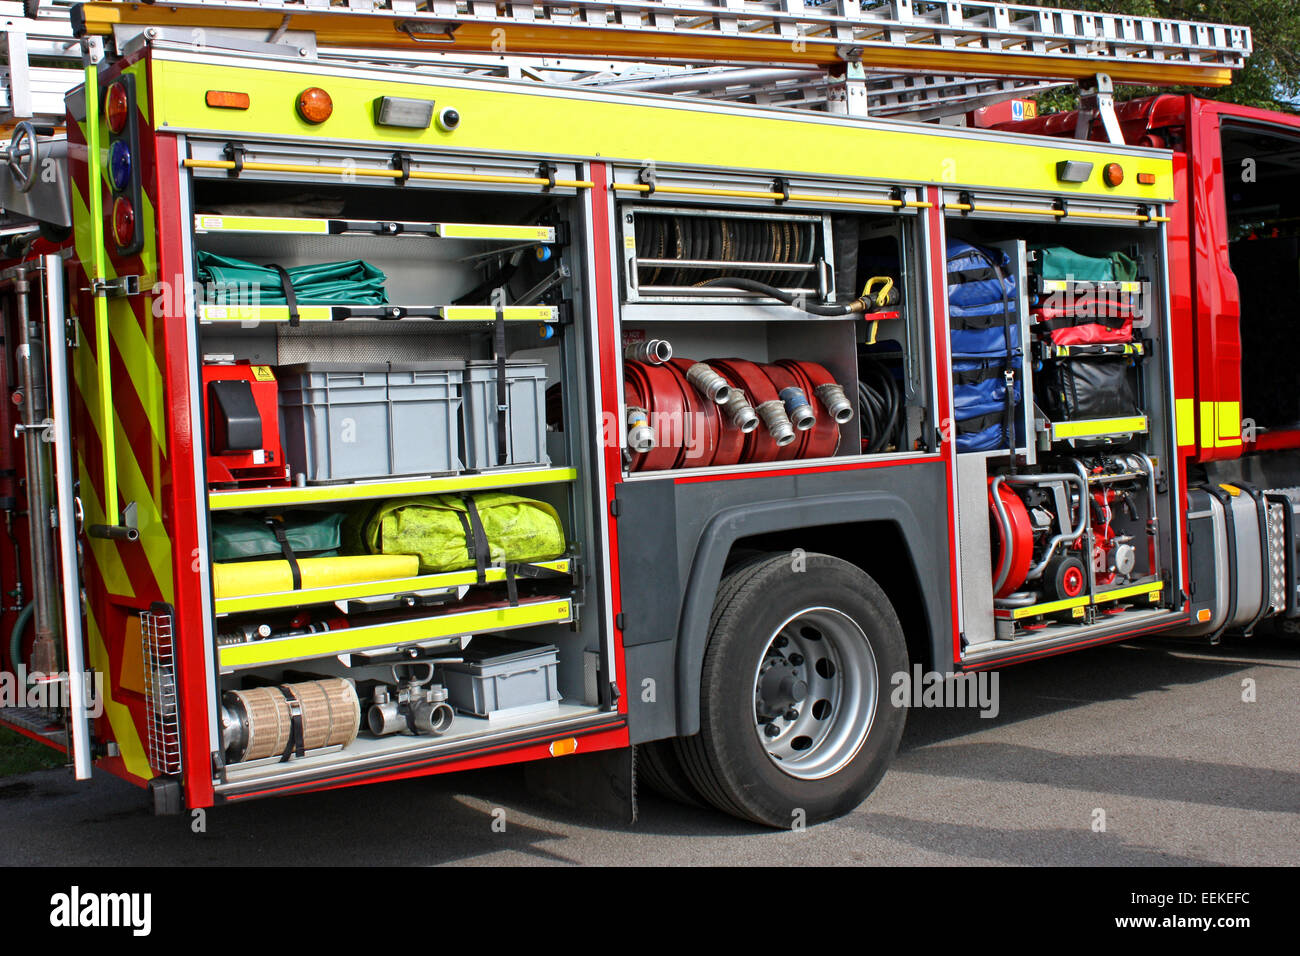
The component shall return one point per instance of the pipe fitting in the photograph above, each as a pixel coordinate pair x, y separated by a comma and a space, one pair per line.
836, 402
777, 422
651, 352
415, 710
741, 413
709, 383
798, 408
640, 436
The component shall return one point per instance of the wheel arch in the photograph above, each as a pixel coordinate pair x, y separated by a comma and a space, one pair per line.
844, 525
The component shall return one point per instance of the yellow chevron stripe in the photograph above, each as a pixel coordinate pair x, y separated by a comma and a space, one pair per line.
153, 533
83, 238
107, 557
154, 538
142, 367
141, 87
119, 717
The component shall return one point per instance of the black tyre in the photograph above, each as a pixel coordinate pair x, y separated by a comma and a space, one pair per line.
795, 722
1065, 577
658, 766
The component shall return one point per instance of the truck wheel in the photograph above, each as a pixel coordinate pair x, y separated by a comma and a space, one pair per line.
658, 765
795, 724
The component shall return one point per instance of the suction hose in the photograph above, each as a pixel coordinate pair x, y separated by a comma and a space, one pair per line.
16, 636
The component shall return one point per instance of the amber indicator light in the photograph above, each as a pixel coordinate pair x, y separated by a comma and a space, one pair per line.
226, 100
315, 105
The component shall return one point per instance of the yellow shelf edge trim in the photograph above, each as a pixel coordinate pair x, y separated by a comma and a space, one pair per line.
323, 494
343, 592
358, 639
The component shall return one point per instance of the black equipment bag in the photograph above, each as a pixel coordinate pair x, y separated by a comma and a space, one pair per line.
1088, 387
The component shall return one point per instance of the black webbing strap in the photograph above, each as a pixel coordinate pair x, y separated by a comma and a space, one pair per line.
512, 588
290, 300
476, 541
1070, 322
516, 571
967, 322
499, 344
295, 746
961, 276
277, 528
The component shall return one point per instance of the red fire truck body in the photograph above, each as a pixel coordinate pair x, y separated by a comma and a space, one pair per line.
393, 423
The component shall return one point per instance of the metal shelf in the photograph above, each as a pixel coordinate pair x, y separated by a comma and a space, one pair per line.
238, 313
1096, 428
282, 225
239, 498
420, 630
391, 587
1075, 606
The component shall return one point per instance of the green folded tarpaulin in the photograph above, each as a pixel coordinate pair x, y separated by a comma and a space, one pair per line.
354, 282
1058, 262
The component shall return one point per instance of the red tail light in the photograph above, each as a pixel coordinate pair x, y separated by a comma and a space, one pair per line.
123, 221
116, 107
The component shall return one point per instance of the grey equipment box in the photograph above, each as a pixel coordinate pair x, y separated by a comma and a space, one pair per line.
525, 414
345, 422
501, 677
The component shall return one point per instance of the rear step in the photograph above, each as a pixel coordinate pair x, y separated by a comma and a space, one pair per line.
35, 722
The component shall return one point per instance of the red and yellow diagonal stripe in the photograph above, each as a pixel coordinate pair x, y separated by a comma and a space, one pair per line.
122, 577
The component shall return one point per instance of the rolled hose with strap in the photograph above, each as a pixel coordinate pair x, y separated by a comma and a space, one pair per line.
766, 443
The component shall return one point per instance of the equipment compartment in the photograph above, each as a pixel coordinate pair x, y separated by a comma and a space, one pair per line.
387, 402
775, 336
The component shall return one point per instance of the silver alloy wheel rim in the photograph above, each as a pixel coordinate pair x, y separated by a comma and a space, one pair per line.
815, 693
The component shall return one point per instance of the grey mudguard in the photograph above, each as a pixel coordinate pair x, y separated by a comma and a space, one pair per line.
674, 540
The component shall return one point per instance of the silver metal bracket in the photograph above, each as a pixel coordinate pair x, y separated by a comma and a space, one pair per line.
115, 288
1097, 101
847, 93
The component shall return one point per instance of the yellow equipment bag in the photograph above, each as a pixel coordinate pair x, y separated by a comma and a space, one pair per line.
241, 578
452, 532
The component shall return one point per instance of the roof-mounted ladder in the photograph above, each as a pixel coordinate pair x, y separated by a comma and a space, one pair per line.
968, 38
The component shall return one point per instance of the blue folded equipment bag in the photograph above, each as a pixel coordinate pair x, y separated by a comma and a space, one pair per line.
984, 337
979, 280
979, 404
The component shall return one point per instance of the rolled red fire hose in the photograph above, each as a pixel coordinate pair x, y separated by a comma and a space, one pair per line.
823, 440
760, 446
721, 443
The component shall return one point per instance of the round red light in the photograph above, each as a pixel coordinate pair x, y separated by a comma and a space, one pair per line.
116, 107
315, 105
123, 221
1113, 174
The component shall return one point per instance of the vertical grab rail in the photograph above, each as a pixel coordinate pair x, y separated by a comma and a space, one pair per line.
97, 273
60, 435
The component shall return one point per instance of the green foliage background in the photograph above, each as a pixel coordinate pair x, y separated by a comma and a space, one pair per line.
1271, 77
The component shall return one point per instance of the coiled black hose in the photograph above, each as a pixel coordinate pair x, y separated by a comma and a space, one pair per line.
880, 403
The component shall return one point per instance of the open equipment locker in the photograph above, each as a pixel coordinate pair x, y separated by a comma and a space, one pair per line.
428, 266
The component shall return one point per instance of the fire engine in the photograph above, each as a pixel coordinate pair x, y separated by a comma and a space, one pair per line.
621, 389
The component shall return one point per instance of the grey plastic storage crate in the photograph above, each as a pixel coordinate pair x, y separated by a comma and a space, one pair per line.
501, 677
525, 414
342, 422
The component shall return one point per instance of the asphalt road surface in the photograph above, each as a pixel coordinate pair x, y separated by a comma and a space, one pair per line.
1155, 734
